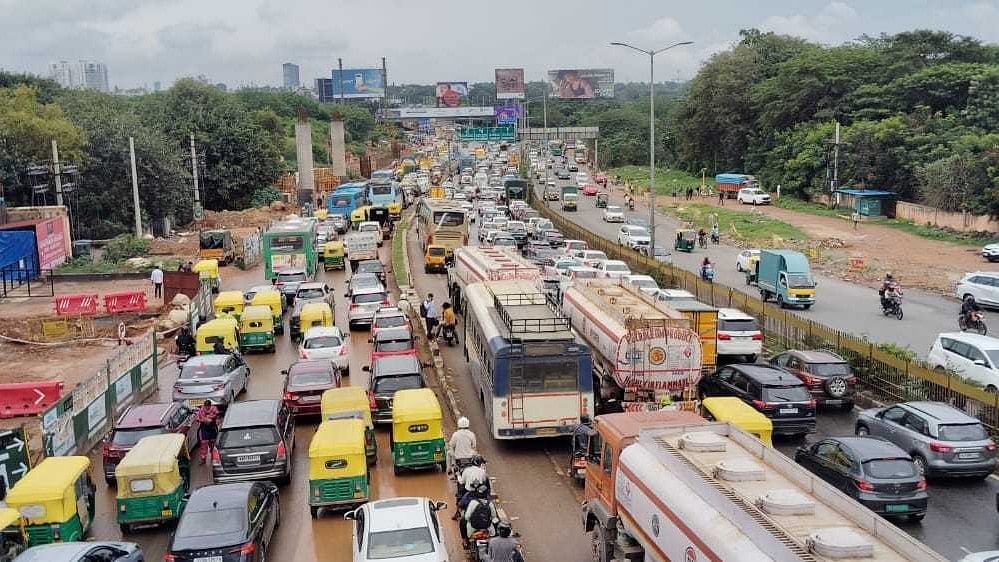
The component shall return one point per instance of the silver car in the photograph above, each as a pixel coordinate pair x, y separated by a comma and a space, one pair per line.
110, 551
942, 440
219, 378
364, 303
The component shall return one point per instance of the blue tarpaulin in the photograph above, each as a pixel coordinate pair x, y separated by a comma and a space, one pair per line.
731, 178
17, 255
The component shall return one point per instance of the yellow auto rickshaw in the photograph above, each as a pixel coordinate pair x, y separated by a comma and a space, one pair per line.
734, 410
435, 258
349, 402
273, 300
358, 215
225, 330
686, 239
333, 255
417, 433
338, 469
209, 270
55, 500
321, 214
229, 303
256, 328
315, 314
395, 210
153, 479
13, 539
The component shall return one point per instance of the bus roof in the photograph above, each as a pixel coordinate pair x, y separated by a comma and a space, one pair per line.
516, 311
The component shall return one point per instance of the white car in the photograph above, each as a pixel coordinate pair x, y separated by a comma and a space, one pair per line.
742, 262
633, 236
614, 269
582, 178
327, 343
971, 356
573, 245
405, 529
645, 283
739, 334
753, 196
672, 295
983, 286
991, 252
613, 213
590, 258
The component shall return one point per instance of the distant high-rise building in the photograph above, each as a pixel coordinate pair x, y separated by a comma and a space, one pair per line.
87, 75
156, 86
324, 90
291, 79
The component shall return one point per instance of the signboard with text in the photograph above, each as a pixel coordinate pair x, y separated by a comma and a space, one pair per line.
508, 114
358, 83
487, 133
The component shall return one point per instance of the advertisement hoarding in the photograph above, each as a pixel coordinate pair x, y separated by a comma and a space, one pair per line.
582, 83
509, 83
439, 112
508, 114
450, 94
359, 83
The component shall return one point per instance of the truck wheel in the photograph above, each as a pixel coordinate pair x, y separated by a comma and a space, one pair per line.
601, 544
780, 301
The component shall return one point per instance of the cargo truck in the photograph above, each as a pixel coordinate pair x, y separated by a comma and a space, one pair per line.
671, 486
361, 246
643, 351
475, 264
785, 276
570, 197
730, 184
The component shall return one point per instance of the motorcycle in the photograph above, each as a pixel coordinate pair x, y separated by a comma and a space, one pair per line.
580, 453
708, 273
478, 545
631, 204
449, 334
975, 320
714, 238
891, 304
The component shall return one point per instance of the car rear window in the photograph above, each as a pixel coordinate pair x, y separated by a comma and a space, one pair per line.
310, 378
393, 345
129, 437
369, 298
396, 383
962, 432
890, 468
436, 251
390, 322
830, 369
201, 371
322, 342
796, 393
290, 277
220, 522
398, 544
248, 437
738, 325
315, 293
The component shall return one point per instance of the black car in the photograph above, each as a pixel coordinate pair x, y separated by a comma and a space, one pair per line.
287, 281
371, 266
828, 376
874, 472
390, 374
777, 394
227, 523
255, 442
562, 174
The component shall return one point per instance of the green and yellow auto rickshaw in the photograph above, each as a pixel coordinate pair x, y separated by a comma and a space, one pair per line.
602, 199
272, 299
338, 466
153, 479
55, 500
417, 432
229, 303
686, 239
13, 539
208, 270
225, 330
333, 255
350, 402
256, 328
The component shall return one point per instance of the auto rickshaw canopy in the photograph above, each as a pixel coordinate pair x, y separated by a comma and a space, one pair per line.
256, 318
416, 416
223, 329
338, 450
316, 314
8, 517
271, 299
333, 249
733, 410
346, 402
229, 303
155, 457
207, 268
52, 487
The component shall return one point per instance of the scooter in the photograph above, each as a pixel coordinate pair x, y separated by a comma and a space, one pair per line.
449, 335
631, 204
714, 237
708, 273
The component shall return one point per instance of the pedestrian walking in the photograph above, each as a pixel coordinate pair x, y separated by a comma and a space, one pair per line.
721, 198
690, 193
431, 314
156, 276
207, 416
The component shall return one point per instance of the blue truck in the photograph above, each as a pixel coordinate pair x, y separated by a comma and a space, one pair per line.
785, 276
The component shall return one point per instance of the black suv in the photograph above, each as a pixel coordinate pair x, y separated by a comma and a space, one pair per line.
231, 522
255, 442
389, 374
777, 394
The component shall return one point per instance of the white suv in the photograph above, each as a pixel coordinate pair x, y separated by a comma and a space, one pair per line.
983, 286
633, 236
398, 529
971, 356
739, 334
753, 195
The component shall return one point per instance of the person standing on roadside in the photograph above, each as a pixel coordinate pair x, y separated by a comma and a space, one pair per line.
430, 314
721, 198
156, 276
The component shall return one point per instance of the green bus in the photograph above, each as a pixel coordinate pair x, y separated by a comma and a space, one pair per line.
290, 245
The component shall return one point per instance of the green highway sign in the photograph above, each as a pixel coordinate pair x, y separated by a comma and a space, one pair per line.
488, 133
14, 458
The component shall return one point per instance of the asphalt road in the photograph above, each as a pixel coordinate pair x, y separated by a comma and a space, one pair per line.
840, 305
299, 538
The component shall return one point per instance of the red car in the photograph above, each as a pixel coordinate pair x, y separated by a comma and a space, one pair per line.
601, 179
590, 189
304, 384
392, 341
143, 420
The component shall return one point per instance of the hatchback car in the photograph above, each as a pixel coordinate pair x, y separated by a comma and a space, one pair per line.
327, 343
774, 392
744, 258
874, 472
590, 258
613, 213
142, 420
364, 304
304, 384
983, 286
255, 442
589, 189
227, 523
287, 281
388, 375
942, 440
400, 529
828, 376
315, 292
971, 356
89, 551
573, 245
739, 334
219, 378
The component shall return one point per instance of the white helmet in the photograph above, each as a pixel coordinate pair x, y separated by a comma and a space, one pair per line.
462, 422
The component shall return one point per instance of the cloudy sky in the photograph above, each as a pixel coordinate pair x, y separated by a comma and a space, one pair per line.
245, 41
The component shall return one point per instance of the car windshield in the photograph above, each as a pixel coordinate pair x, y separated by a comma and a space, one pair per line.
616, 267
201, 371
799, 281
637, 231
219, 522
786, 394
369, 298
393, 345
315, 293
830, 369
436, 252
129, 437
398, 382
322, 342
309, 378
962, 432
890, 468
369, 267
393, 321
248, 437
613, 209
399, 544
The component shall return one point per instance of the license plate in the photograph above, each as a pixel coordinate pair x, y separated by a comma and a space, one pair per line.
967, 456
897, 508
255, 459
788, 411
546, 431
310, 398
833, 402
208, 559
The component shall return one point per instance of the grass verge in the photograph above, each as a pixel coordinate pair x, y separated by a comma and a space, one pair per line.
87, 265
743, 226
799, 206
937, 233
666, 180
398, 254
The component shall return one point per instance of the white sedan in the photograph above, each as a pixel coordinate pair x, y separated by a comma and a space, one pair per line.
326, 343
613, 214
590, 258
745, 256
614, 269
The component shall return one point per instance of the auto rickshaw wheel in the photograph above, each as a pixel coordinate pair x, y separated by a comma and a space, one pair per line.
314, 510
125, 528
396, 469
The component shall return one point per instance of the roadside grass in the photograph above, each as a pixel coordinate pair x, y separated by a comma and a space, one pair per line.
398, 250
88, 265
937, 233
797, 205
666, 180
744, 226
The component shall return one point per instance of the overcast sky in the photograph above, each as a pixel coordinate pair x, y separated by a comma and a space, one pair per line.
243, 42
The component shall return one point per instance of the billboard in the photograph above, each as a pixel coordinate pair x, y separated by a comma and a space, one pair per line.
582, 83
508, 114
450, 94
509, 83
359, 83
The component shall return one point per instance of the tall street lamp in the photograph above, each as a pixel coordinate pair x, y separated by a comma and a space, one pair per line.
652, 132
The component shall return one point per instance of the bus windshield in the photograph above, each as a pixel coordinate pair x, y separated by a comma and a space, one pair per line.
381, 190
449, 218
341, 200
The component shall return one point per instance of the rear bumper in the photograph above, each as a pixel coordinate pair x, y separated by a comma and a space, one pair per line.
220, 476
793, 426
956, 469
731, 347
892, 506
520, 433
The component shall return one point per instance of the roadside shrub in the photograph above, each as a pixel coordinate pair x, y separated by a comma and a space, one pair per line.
264, 196
124, 247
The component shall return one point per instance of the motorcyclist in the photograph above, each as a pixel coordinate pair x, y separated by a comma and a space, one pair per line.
886, 285
969, 306
448, 322
714, 233
702, 237
477, 498
461, 446
631, 203
185, 342
470, 478
503, 547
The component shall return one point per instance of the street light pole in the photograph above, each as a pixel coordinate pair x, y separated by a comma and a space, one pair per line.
652, 132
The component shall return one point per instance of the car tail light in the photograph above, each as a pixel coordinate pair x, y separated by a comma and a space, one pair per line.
810, 380
343, 350
248, 548
353, 306
723, 336
106, 450
940, 447
758, 336
290, 395
812, 403
990, 446
302, 354
761, 405
921, 485
167, 557
372, 403
385, 301
282, 451
865, 485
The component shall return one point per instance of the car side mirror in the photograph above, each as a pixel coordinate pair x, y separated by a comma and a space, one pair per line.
284, 372
346, 295
439, 506
366, 368
981, 363
349, 516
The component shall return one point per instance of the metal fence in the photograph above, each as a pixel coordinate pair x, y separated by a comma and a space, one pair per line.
26, 282
882, 374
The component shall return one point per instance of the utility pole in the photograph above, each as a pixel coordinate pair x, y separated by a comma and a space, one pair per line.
835, 178
339, 63
57, 171
135, 189
194, 172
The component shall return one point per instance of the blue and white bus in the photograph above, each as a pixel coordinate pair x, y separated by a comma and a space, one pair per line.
534, 378
346, 198
386, 193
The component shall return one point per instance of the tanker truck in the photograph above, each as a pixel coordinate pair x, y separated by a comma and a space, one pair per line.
669, 485
643, 351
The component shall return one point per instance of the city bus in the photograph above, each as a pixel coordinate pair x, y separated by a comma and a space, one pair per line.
290, 245
555, 147
443, 222
515, 188
346, 198
384, 193
534, 378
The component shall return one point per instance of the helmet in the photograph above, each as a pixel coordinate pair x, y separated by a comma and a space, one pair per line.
503, 529
463, 422
483, 491
888, 276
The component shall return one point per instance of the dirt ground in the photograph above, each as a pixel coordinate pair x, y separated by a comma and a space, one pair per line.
185, 243
35, 307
